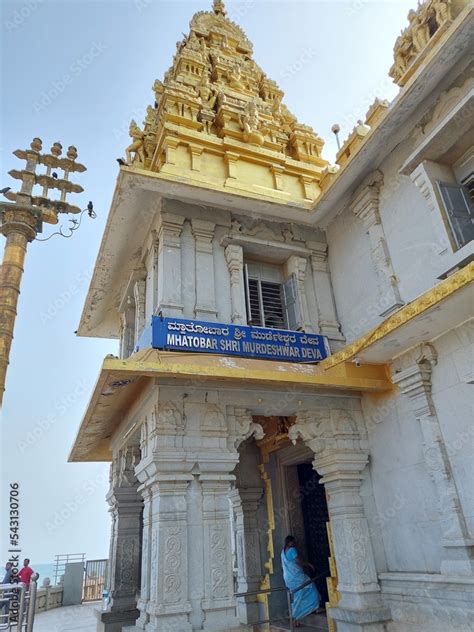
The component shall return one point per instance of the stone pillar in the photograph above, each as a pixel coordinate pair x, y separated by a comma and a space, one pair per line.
297, 266
127, 340
415, 383
170, 301
218, 600
144, 597
245, 499
341, 456
139, 290
328, 323
168, 605
205, 308
235, 262
187, 470
424, 177
365, 205
125, 550
245, 502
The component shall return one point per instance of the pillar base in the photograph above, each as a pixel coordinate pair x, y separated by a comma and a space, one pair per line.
459, 557
365, 620
239, 628
248, 609
109, 621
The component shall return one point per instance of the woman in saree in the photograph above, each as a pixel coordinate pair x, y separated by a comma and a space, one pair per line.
307, 600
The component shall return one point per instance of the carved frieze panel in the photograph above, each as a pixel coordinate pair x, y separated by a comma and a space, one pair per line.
173, 588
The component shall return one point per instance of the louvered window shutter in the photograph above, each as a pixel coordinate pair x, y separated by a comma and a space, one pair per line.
292, 304
459, 211
252, 299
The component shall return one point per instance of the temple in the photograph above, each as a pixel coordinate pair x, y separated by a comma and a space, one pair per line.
296, 346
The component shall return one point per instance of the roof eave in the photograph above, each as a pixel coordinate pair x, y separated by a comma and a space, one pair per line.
388, 132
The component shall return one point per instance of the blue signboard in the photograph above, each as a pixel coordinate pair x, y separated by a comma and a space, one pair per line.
176, 334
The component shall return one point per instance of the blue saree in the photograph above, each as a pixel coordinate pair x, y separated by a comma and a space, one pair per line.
305, 601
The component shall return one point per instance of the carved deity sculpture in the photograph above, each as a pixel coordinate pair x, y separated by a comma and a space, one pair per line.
208, 95
158, 89
219, 8
128, 460
251, 125
442, 11
137, 146
419, 31
193, 42
400, 58
180, 45
234, 77
150, 117
203, 48
277, 112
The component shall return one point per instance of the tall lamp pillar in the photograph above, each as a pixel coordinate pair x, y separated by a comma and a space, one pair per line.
22, 220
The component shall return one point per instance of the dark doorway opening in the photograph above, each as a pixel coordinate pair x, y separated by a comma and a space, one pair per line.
315, 517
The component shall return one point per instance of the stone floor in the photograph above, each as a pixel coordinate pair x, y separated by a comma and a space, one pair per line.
82, 619
71, 619
316, 622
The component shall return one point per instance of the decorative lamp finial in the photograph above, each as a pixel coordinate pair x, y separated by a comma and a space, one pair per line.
219, 7
36, 144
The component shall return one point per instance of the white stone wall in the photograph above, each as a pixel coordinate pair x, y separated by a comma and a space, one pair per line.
192, 267
453, 397
353, 275
405, 513
417, 237
405, 497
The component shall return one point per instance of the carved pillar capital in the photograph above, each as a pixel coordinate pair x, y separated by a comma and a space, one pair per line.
297, 265
415, 381
328, 323
203, 232
123, 479
170, 299
234, 256
170, 227
365, 202
330, 431
242, 427
139, 293
365, 205
235, 262
319, 255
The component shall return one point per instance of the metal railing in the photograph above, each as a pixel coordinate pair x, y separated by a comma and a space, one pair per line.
62, 560
17, 606
290, 592
94, 579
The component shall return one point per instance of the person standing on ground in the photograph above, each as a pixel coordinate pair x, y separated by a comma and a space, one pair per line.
25, 574
7, 579
306, 600
5, 603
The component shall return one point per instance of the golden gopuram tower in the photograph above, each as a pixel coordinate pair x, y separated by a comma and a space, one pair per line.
219, 122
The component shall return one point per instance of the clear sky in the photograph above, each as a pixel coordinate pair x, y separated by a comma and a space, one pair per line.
77, 72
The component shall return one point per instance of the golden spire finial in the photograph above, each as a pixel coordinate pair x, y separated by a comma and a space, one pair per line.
219, 7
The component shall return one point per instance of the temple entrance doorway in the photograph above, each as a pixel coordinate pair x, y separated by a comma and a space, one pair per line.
297, 506
315, 519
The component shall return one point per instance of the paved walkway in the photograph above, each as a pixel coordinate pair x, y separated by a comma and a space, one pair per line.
82, 619
71, 619
316, 622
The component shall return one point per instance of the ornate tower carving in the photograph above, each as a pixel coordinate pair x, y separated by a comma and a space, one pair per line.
218, 121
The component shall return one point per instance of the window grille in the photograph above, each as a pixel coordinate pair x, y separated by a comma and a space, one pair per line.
270, 303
